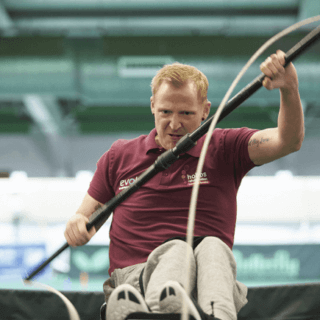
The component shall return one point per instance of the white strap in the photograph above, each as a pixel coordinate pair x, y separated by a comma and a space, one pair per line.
73, 314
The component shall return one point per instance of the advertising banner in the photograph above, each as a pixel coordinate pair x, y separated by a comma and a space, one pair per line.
21, 259
277, 262
265, 263
91, 259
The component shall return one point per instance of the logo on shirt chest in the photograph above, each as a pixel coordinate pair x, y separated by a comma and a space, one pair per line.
125, 183
188, 179
191, 179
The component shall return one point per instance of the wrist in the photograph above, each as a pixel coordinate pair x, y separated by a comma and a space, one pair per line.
290, 88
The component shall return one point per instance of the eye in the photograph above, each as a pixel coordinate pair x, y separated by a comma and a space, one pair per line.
165, 111
187, 113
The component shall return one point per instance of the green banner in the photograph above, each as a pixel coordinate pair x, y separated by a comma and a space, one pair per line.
91, 259
277, 262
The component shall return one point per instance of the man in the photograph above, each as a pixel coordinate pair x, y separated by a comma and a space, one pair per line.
147, 248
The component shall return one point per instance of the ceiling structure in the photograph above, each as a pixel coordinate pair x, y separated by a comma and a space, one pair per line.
83, 67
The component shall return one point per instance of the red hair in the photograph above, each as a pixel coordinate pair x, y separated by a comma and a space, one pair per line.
179, 74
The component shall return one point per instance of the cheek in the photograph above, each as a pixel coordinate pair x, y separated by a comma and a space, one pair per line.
160, 125
161, 122
193, 125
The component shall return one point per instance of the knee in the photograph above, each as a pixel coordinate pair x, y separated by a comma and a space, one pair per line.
181, 248
213, 241
213, 246
173, 250
179, 244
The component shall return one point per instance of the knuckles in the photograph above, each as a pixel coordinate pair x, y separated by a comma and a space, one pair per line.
274, 57
76, 232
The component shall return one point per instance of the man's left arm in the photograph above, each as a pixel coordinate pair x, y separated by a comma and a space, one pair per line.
270, 144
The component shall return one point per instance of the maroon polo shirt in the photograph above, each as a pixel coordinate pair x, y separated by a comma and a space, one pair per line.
159, 209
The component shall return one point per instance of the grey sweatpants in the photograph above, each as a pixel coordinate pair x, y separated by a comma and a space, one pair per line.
212, 272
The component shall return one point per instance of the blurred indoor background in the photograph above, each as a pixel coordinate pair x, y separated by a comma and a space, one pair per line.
75, 76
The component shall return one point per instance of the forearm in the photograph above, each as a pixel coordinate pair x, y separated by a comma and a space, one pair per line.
287, 137
291, 118
88, 207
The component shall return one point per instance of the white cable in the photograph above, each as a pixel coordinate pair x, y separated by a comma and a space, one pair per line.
73, 314
195, 189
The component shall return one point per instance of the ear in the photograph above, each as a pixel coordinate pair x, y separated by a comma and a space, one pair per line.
206, 109
152, 104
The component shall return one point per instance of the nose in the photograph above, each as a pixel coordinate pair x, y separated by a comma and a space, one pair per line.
175, 123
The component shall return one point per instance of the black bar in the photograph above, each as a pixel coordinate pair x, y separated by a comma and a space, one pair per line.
186, 143
158, 316
44, 264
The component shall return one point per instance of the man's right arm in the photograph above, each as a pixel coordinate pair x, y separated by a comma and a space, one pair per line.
76, 232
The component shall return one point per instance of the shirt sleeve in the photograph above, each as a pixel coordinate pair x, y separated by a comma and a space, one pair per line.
236, 150
100, 186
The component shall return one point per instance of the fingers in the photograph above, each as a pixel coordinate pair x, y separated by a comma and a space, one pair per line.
273, 68
76, 232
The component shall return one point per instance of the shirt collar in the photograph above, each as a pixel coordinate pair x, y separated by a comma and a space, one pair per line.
150, 142
151, 145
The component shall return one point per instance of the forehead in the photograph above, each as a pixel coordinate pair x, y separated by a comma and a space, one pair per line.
184, 93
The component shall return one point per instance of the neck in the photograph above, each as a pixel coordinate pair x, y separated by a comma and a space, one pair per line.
156, 139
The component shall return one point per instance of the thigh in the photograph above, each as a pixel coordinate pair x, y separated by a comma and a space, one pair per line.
173, 260
216, 279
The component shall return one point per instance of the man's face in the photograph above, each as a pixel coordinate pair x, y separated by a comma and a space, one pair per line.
177, 111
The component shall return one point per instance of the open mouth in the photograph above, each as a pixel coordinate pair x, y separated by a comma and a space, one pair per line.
175, 136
